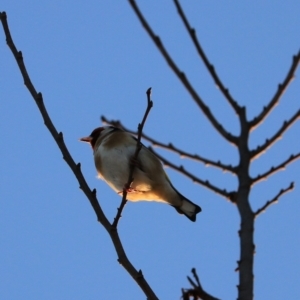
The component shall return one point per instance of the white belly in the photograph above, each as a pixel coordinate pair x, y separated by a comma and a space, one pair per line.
114, 170
114, 167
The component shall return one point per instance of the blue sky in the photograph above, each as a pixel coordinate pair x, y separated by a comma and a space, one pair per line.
93, 58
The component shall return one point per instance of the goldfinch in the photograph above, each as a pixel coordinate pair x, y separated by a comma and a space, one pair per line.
114, 149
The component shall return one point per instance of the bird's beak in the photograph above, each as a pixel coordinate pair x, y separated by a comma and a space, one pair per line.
86, 139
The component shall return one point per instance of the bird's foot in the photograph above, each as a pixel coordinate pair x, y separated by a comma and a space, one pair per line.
128, 191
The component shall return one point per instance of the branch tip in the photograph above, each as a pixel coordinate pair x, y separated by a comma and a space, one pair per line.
19, 55
39, 97
196, 291
140, 274
280, 90
148, 92
278, 135
3, 15
274, 200
60, 136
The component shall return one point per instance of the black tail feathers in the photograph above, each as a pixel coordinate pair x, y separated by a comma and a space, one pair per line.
188, 208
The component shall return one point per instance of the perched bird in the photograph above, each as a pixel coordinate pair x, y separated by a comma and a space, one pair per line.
114, 149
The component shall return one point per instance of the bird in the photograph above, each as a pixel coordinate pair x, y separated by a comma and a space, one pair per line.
114, 150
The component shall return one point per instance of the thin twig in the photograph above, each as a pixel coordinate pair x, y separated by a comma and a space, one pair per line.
197, 292
205, 109
228, 195
209, 66
269, 142
273, 170
135, 156
171, 147
281, 88
274, 200
90, 194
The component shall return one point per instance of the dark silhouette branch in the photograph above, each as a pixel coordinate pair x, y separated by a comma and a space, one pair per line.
90, 194
246, 231
239, 197
205, 109
58, 137
281, 88
135, 156
228, 195
209, 66
269, 142
273, 170
197, 292
274, 200
171, 147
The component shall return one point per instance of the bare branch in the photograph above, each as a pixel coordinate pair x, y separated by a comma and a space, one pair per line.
281, 88
58, 137
209, 66
171, 147
274, 200
205, 109
90, 194
135, 156
269, 142
273, 170
228, 195
197, 292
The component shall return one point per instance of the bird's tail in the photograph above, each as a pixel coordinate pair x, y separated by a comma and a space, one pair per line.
188, 208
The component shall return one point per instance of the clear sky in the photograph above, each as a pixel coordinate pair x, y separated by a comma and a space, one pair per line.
93, 58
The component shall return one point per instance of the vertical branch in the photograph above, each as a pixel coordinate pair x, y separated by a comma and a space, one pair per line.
246, 232
135, 156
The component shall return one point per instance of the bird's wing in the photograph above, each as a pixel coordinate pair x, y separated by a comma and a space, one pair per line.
150, 164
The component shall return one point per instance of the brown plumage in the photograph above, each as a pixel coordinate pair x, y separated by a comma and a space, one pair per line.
113, 151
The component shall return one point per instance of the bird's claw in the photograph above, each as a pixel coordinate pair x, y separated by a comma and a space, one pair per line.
128, 190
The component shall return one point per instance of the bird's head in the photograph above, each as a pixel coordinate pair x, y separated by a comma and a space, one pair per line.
96, 133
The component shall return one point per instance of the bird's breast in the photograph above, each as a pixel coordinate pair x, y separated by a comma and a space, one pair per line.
113, 165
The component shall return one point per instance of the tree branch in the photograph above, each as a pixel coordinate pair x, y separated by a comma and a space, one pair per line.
91, 195
281, 88
274, 200
209, 66
205, 109
197, 292
171, 147
269, 142
228, 195
135, 156
273, 170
